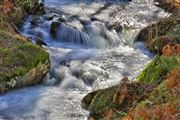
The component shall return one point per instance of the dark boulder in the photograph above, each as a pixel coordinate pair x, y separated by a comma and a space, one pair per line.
54, 28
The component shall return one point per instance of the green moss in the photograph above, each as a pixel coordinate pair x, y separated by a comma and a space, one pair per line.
17, 56
24, 57
159, 67
103, 100
31, 6
27, 5
19, 60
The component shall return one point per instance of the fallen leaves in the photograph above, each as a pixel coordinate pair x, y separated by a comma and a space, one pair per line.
171, 49
173, 79
7, 6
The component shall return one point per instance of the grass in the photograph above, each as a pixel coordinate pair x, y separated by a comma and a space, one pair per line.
159, 67
17, 57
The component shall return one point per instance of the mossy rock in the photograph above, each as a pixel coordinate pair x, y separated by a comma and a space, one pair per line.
102, 102
157, 69
103, 99
18, 61
17, 58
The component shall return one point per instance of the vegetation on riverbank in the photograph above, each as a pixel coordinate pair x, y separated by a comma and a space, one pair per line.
18, 56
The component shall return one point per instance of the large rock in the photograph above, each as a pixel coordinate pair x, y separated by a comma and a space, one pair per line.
114, 102
21, 62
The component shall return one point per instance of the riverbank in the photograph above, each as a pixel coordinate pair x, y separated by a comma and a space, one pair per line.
21, 62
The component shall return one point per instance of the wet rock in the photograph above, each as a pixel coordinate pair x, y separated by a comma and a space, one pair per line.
61, 19
40, 42
54, 28
33, 77
37, 20
27, 65
86, 101
94, 19
116, 26
49, 17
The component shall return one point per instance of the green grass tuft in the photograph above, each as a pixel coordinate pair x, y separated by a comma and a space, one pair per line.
159, 67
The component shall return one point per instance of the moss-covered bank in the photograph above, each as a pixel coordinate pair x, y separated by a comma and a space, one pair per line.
21, 62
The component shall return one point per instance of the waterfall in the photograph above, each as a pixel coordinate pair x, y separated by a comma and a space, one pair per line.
143, 1
68, 34
92, 35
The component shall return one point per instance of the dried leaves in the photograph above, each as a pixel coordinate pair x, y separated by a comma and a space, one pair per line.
171, 49
160, 112
168, 110
7, 6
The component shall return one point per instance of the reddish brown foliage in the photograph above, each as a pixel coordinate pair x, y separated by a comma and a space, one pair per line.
160, 112
173, 79
163, 111
121, 92
7, 6
171, 49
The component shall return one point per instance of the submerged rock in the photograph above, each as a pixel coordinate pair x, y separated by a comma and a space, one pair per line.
40, 42
54, 28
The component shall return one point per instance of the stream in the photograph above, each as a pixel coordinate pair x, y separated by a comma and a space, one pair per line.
91, 47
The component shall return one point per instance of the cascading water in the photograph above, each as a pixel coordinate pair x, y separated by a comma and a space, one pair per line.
91, 47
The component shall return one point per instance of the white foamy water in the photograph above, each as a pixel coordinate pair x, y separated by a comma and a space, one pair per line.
87, 54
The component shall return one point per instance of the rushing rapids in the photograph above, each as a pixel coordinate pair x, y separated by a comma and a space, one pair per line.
90, 45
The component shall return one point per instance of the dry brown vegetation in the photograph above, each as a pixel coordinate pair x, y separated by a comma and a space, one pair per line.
171, 49
6, 6
167, 110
